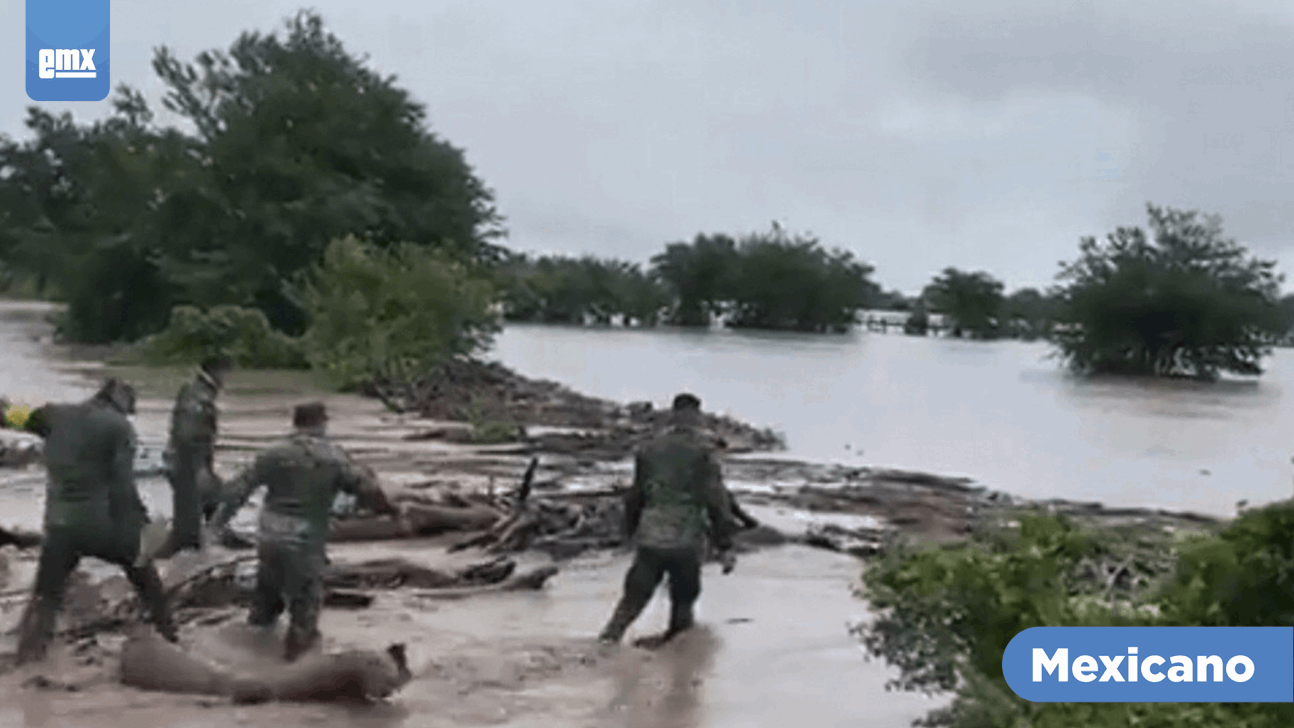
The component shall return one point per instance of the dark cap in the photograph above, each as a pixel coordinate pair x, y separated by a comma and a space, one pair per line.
685, 401
310, 414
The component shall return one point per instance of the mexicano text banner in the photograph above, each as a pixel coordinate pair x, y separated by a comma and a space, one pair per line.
1152, 664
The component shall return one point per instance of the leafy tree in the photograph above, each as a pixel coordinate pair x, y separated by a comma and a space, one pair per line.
1188, 302
784, 281
297, 143
696, 274
389, 315
301, 143
75, 205
971, 301
559, 289
1030, 314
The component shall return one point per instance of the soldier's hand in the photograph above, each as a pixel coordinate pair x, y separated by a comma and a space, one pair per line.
728, 560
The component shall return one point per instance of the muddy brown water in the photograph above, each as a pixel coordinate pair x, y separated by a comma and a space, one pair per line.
998, 412
772, 649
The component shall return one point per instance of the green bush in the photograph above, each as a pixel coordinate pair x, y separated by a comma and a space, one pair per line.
946, 615
243, 334
388, 315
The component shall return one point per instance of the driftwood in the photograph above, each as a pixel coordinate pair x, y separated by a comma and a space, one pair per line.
415, 520
531, 580
151, 663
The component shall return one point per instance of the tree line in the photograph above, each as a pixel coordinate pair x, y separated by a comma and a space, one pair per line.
307, 211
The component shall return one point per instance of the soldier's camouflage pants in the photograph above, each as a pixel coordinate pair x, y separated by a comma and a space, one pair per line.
289, 576
62, 549
650, 566
194, 494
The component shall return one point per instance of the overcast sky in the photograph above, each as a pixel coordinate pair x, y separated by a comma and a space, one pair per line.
987, 135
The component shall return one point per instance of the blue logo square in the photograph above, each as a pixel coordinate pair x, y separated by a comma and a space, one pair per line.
68, 50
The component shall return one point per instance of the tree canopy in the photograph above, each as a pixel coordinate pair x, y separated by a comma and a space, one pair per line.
294, 143
971, 301
1182, 301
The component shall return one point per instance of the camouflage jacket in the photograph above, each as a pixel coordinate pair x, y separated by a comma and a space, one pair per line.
193, 419
302, 476
678, 497
90, 459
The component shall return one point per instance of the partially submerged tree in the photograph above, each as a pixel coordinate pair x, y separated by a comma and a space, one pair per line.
1185, 302
972, 302
698, 274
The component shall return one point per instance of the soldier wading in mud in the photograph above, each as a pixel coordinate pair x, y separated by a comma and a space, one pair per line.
677, 499
92, 508
190, 454
303, 476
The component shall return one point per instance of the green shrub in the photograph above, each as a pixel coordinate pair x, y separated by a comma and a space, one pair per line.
388, 315
946, 615
243, 334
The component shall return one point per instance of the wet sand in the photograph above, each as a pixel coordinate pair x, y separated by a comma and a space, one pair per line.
772, 648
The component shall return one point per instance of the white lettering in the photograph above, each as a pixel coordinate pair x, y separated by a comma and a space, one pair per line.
1238, 669
1240, 660
1084, 665
67, 63
1058, 663
1203, 661
66, 60
1148, 663
1112, 668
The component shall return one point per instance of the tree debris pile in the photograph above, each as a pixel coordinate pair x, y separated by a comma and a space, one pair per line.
482, 393
561, 527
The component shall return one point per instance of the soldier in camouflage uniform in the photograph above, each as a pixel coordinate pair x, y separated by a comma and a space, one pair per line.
303, 476
676, 501
92, 508
190, 454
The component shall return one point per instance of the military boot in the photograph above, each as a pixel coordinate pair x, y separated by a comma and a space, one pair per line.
35, 630
680, 619
152, 595
298, 642
626, 612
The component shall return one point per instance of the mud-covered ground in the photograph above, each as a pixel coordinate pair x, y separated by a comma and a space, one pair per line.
774, 646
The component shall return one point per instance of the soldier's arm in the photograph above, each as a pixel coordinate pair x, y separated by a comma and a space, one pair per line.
636, 497
360, 481
237, 491
124, 496
718, 504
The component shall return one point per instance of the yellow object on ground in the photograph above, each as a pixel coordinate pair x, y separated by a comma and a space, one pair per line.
16, 416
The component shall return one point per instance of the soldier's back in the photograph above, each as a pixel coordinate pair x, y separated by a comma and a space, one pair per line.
82, 444
301, 474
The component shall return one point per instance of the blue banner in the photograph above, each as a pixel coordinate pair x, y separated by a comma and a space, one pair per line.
1152, 664
68, 49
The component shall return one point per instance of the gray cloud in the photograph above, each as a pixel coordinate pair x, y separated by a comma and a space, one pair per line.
919, 135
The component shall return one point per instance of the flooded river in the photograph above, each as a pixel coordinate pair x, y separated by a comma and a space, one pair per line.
998, 412
773, 648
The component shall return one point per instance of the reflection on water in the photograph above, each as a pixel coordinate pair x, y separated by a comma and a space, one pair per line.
1003, 413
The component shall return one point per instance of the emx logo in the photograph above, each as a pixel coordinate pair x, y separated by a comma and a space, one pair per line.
68, 50
67, 63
